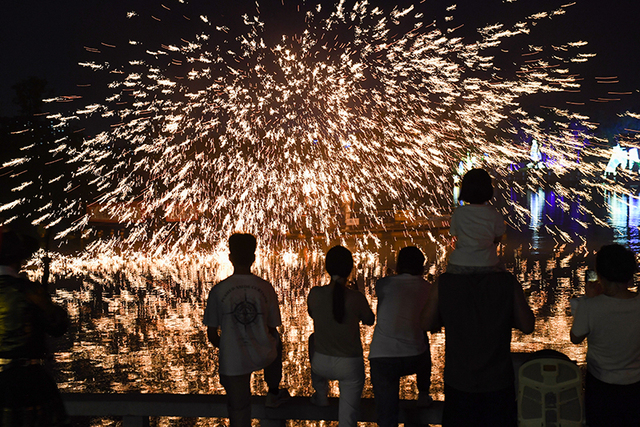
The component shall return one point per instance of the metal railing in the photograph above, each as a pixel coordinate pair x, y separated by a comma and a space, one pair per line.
136, 409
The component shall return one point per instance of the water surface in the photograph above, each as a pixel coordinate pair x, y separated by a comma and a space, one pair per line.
137, 320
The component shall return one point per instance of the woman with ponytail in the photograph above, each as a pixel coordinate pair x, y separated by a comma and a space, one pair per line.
335, 347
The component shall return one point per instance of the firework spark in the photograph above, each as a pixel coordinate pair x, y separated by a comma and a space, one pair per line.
271, 136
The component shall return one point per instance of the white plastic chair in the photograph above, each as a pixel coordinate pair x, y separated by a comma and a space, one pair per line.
550, 393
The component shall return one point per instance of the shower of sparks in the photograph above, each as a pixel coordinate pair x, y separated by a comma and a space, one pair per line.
272, 137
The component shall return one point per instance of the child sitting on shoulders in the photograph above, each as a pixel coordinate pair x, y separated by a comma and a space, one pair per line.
477, 226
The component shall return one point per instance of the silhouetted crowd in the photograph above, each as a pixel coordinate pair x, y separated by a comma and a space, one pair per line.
477, 302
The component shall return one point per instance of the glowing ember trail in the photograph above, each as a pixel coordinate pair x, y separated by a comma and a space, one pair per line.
269, 137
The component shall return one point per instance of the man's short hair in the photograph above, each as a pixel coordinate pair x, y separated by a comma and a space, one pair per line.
476, 187
616, 263
242, 247
411, 261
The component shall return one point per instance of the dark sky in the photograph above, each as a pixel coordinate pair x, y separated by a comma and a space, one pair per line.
47, 38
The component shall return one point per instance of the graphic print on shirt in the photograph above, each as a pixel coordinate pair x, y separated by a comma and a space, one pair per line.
245, 312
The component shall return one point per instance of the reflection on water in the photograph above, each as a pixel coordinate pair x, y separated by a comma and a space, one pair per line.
616, 218
137, 322
624, 218
536, 207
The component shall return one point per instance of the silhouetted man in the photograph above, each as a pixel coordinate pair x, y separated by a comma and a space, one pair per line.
242, 315
478, 312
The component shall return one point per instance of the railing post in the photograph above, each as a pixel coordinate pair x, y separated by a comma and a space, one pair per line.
135, 421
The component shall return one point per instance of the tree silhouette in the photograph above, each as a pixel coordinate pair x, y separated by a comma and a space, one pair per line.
37, 178
29, 94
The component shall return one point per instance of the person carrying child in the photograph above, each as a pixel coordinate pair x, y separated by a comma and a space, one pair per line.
477, 226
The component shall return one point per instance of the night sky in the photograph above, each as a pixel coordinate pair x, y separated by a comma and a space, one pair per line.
48, 39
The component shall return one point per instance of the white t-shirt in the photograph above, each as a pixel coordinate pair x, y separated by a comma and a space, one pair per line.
476, 228
398, 333
612, 326
244, 307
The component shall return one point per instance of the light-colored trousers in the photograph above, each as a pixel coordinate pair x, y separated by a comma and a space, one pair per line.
349, 371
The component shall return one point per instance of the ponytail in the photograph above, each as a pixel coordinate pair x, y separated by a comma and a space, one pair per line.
338, 306
339, 263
